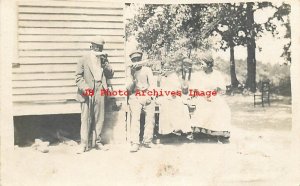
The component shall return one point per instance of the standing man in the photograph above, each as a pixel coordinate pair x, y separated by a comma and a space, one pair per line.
91, 74
141, 80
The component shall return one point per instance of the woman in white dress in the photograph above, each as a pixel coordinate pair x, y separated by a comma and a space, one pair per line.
174, 114
212, 115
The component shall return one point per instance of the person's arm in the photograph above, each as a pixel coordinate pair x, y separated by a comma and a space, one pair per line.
130, 83
221, 85
150, 79
79, 80
107, 69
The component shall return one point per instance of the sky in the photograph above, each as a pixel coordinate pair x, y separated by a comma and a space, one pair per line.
271, 50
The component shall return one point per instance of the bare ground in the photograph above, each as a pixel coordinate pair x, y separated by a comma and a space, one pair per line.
259, 154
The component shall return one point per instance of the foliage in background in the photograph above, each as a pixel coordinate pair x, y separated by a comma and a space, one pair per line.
171, 32
278, 74
162, 30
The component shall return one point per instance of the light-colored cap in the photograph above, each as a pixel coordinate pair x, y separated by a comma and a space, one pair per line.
98, 40
136, 54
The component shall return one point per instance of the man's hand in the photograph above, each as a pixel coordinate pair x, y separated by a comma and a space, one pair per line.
104, 65
148, 101
207, 98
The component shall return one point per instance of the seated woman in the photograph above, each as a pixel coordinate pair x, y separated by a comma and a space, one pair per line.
174, 115
212, 115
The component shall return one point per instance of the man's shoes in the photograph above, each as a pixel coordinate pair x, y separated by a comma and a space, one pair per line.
100, 146
177, 132
148, 145
81, 149
134, 147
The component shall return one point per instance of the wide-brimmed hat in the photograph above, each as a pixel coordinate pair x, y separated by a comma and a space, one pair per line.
98, 40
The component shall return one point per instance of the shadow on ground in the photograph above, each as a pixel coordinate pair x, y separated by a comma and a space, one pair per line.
245, 116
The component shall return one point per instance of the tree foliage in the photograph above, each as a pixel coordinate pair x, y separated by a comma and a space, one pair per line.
171, 31
241, 29
170, 27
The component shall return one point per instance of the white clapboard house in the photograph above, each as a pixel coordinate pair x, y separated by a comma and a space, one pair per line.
50, 37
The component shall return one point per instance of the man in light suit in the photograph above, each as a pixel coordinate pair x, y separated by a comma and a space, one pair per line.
91, 74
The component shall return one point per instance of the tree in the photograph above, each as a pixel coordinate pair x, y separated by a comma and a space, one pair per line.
152, 27
230, 30
174, 29
251, 47
282, 14
254, 31
241, 29
180, 29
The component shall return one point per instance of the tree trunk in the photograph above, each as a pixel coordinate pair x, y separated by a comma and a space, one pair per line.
251, 60
234, 81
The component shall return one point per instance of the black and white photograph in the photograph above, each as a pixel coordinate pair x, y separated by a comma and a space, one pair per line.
149, 93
